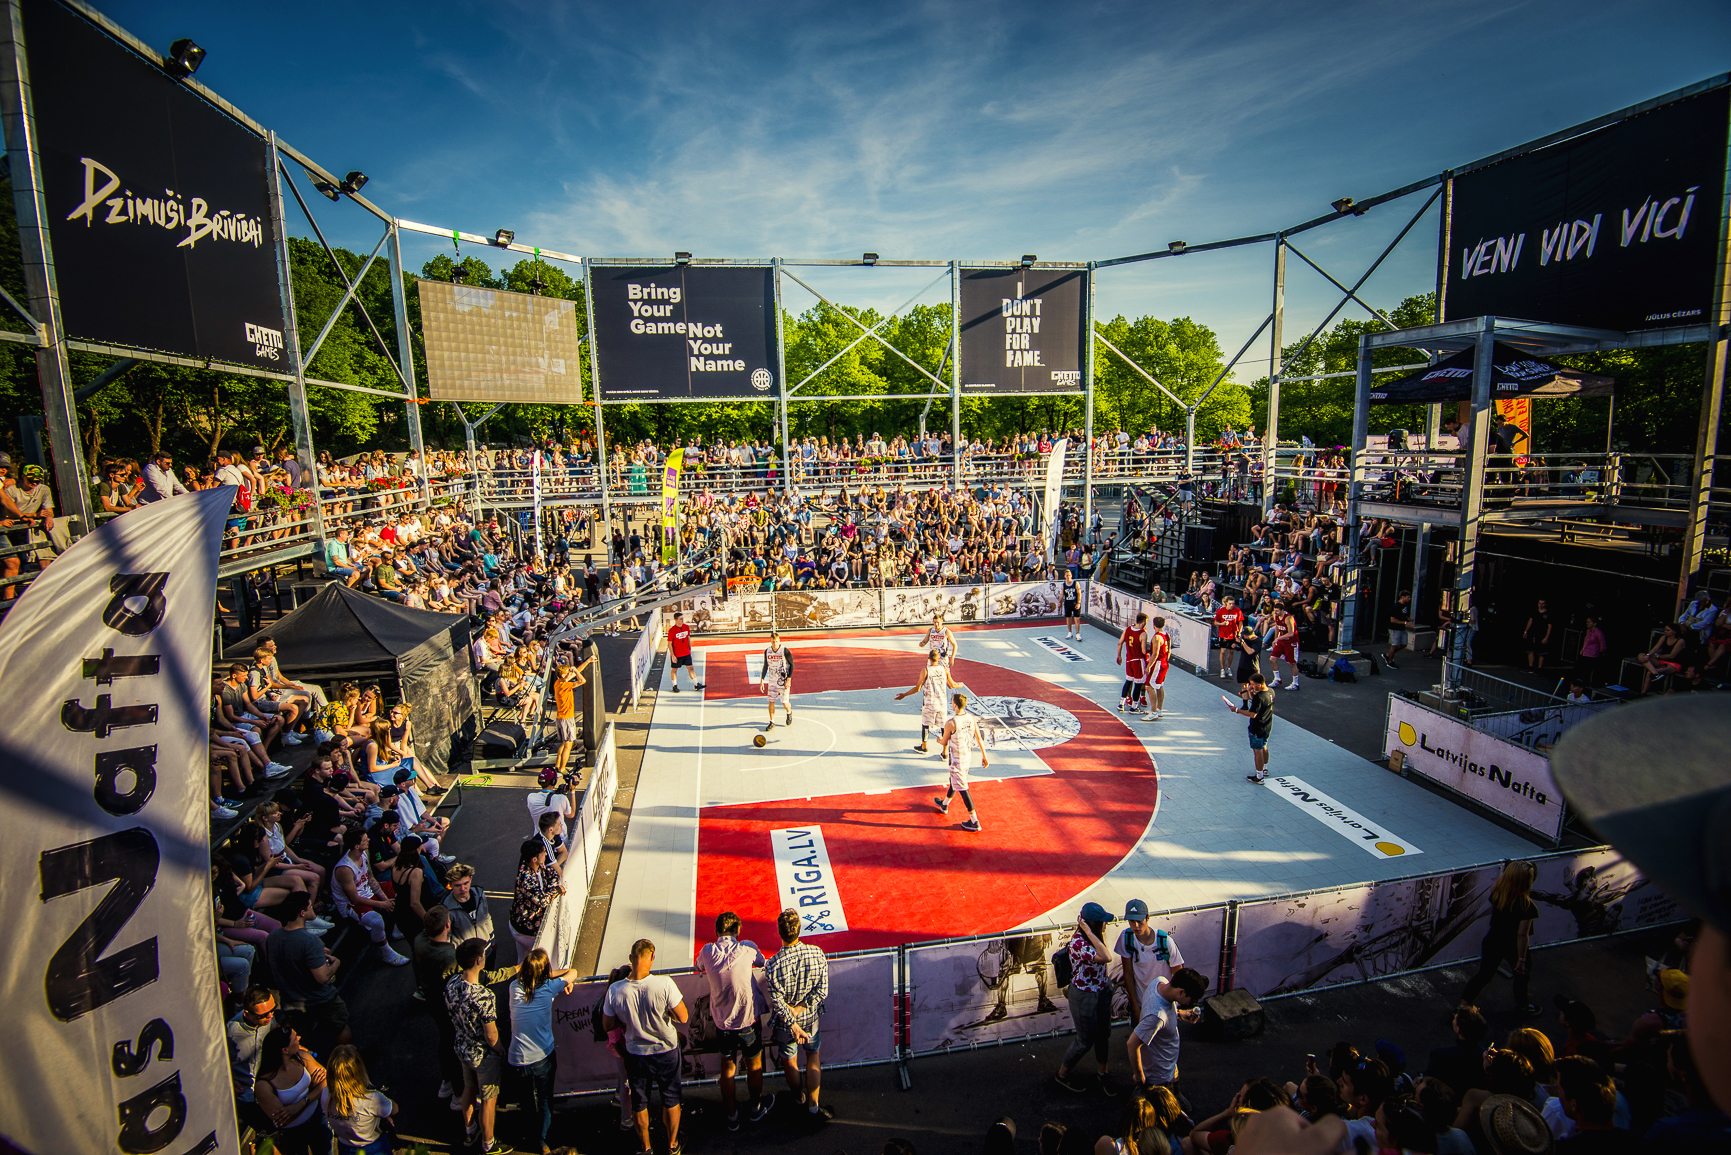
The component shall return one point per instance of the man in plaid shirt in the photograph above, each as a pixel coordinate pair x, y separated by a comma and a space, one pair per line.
798, 983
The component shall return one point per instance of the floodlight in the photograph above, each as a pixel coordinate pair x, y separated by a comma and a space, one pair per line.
1346, 205
327, 188
458, 275
869, 258
184, 57
537, 286
504, 237
682, 257
1177, 246
353, 183
1028, 259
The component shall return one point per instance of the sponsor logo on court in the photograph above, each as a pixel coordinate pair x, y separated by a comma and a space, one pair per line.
806, 880
1373, 837
1063, 651
1022, 723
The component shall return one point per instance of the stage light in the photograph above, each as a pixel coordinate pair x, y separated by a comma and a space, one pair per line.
1346, 205
327, 188
1028, 259
1177, 246
682, 257
537, 286
458, 275
184, 57
354, 182
504, 237
869, 258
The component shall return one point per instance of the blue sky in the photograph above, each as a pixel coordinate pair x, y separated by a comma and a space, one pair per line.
1075, 131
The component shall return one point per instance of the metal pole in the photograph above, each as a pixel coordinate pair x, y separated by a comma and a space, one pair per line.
1087, 408
53, 365
1355, 463
595, 378
1271, 427
781, 382
1712, 408
956, 372
469, 428
299, 415
406, 360
1190, 444
1473, 489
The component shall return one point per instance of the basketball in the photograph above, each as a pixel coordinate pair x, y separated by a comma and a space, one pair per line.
759, 740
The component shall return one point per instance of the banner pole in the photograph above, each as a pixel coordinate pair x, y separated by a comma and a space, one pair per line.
595, 382
1271, 427
1712, 402
299, 416
956, 371
53, 363
781, 384
1088, 369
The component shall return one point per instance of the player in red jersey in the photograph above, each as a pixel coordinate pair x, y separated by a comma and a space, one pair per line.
679, 645
1228, 620
1161, 660
1132, 654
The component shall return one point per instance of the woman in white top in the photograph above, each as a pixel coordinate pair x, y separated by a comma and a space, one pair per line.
961, 738
931, 685
286, 1089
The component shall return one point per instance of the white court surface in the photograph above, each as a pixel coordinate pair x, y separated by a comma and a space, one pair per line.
834, 816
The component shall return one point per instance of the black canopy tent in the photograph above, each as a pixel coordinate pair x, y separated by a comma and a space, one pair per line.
1513, 374
344, 635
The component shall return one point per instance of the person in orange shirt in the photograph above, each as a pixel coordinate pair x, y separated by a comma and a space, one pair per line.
565, 685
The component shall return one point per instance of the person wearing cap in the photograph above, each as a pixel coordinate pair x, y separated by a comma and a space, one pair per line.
1673, 821
33, 502
1148, 954
1090, 998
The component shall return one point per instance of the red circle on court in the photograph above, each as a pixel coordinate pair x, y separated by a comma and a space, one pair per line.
903, 871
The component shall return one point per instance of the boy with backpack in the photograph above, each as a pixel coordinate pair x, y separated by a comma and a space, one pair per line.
1147, 953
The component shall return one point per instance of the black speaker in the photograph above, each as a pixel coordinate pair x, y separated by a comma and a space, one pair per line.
1233, 1015
502, 739
1199, 542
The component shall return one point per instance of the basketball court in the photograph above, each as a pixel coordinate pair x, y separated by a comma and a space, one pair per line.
834, 816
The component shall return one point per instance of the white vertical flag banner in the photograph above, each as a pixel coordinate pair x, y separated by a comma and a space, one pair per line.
1054, 490
535, 484
108, 996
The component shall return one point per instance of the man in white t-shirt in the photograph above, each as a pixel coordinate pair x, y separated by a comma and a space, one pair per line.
647, 1007
1148, 954
1153, 1045
541, 801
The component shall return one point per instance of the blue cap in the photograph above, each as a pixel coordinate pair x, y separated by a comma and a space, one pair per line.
1135, 910
1094, 912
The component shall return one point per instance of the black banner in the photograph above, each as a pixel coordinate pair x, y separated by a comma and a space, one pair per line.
671, 332
158, 206
1618, 229
1022, 330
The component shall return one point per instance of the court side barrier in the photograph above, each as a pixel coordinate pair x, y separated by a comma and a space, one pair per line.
928, 998
643, 654
790, 611
564, 921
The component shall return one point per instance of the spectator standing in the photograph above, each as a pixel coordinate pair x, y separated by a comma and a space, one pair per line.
1149, 954
531, 1053
1153, 1044
537, 886
1512, 916
305, 971
736, 1008
1538, 634
647, 1007
1258, 706
798, 979
435, 959
1594, 649
1090, 998
474, 1016
246, 1033
1400, 629
288, 1085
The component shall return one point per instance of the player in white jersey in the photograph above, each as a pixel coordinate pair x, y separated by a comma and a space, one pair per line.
961, 739
940, 639
777, 679
930, 685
